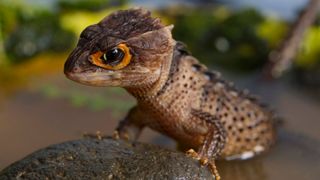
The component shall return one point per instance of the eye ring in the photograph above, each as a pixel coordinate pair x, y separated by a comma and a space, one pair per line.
113, 59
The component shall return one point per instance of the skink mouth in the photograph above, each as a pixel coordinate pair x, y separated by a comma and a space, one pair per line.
96, 79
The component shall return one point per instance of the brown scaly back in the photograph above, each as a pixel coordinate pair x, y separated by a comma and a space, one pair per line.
248, 123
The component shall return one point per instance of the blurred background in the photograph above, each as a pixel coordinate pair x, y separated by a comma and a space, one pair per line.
39, 106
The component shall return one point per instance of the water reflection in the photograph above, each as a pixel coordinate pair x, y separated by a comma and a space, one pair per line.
243, 170
295, 156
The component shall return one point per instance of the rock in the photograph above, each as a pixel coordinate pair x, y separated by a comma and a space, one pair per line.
105, 159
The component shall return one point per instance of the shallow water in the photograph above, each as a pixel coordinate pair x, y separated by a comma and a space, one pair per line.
48, 108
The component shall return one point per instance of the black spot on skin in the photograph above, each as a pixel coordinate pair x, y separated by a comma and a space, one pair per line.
242, 118
190, 77
230, 127
234, 119
183, 76
226, 114
238, 139
241, 130
210, 107
185, 85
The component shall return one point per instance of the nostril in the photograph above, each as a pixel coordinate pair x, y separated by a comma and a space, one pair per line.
76, 69
71, 69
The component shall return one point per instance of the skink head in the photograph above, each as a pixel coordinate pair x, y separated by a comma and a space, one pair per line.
127, 48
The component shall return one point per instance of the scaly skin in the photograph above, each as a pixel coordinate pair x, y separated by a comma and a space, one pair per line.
176, 95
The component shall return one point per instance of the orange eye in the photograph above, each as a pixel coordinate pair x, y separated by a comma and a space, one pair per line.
114, 59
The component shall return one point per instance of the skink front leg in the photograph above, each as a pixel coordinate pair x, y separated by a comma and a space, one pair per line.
213, 143
131, 126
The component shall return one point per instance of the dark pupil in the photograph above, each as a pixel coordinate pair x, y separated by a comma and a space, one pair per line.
113, 56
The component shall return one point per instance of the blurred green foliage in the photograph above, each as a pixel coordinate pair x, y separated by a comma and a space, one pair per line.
238, 40
307, 65
229, 40
37, 33
29, 30
110, 98
309, 55
272, 31
92, 5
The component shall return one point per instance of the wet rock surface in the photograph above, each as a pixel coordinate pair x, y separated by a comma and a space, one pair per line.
92, 158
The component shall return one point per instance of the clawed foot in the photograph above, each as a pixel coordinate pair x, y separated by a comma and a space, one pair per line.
204, 161
116, 135
97, 135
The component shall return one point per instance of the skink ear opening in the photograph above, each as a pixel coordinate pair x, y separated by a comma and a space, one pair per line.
159, 41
